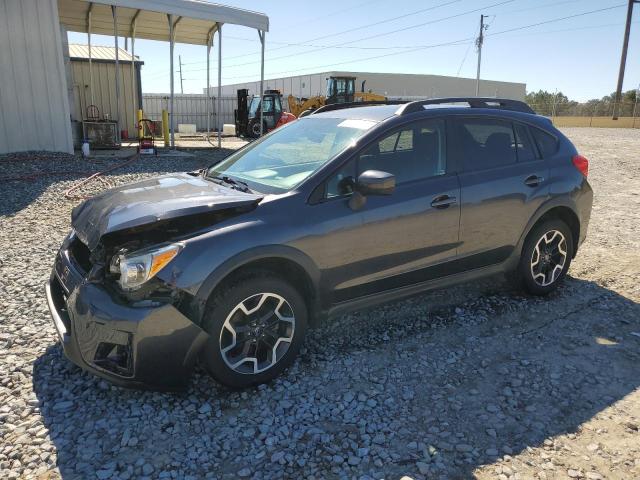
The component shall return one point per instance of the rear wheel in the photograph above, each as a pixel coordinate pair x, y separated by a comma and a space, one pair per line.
546, 257
256, 329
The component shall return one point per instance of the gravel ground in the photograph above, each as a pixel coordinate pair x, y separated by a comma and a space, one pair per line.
472, 381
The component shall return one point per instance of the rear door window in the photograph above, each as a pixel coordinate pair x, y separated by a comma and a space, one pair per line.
547, 143
485, 143
524, 145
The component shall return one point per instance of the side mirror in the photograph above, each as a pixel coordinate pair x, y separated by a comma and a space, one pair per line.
375, 182
371, 182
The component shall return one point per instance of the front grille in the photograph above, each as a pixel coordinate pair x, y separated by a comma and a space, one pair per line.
81, 254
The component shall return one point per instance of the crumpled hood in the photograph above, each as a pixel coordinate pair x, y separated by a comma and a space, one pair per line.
153, 200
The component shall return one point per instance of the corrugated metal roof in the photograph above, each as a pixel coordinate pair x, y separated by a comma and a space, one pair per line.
99, 52
195, 20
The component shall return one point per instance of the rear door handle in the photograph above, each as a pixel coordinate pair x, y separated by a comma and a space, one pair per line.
533, 180
443, 201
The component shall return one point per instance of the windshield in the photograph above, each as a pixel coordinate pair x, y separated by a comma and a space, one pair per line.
253, 106
282, 160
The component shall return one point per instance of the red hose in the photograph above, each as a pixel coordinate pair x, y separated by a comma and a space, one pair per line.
68, 194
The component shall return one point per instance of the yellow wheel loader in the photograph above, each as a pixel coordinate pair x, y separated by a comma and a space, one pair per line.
339, 90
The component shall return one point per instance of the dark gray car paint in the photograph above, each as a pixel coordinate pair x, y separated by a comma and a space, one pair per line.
393, 246
335, 239
150, 201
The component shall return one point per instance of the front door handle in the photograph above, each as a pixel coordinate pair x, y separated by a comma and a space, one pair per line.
533, 180
443, 201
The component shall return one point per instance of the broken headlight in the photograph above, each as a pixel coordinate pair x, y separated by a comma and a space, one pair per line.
136, 268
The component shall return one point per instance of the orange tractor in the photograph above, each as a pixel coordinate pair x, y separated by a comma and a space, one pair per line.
247, 115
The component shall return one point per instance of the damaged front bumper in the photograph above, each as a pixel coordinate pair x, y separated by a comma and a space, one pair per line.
141, 347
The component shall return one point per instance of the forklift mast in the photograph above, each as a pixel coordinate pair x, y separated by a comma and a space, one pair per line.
241, 114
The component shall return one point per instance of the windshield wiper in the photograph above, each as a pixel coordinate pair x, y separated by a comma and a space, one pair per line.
232, 183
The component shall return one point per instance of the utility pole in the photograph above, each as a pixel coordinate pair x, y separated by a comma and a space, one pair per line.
553, 104
181, 79
635, 106
479, 42
623, 59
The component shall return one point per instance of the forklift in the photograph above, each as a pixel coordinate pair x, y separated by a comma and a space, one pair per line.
247, 115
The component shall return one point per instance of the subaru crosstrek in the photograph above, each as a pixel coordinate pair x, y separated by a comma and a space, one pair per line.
337, 211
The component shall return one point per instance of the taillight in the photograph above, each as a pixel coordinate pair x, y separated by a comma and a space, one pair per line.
582, 164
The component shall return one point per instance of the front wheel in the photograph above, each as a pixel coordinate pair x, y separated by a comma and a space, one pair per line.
254, 129
256, 328
546, 257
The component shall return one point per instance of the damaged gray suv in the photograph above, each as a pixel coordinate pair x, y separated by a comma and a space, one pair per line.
340, 210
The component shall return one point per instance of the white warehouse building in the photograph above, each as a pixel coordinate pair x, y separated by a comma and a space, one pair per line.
392, 85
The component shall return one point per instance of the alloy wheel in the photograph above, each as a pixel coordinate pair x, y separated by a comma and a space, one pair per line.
548, 258
257, 333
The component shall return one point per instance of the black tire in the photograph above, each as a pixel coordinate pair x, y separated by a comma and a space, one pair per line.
223, 304
525, 272
254, 129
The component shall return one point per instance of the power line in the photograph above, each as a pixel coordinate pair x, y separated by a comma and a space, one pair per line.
454, 42
423, 47
553, 20
332, 14
411, 48
464, 58
387, 20
431, 22
286, 45
353, 47
552, 4
294, 44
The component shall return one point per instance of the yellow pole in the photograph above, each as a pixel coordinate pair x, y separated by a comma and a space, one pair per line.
165, 127
140, 117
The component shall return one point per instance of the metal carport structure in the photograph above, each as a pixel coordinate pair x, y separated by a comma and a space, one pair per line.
183, 21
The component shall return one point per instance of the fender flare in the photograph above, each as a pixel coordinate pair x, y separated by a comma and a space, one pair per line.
564, 201
241, 259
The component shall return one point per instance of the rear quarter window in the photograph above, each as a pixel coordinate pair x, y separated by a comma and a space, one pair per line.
547, 143
524, 144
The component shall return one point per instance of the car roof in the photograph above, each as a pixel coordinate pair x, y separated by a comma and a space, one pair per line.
379, 113
376, 113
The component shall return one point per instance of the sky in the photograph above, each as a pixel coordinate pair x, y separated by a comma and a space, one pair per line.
527, 41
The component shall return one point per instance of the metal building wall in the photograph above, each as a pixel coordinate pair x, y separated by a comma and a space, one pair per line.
189, 108
34, 106
299, 85
104, 92
393, 85
401, 85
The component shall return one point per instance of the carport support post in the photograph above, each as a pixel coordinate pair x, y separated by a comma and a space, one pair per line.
133, 70
261, 34
89, 42
219, 107
171, 41
114, 11
209, 43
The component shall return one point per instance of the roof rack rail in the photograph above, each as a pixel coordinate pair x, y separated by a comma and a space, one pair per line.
340, 106
473, 102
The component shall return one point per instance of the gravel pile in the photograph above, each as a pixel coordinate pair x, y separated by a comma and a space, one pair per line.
475, 380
